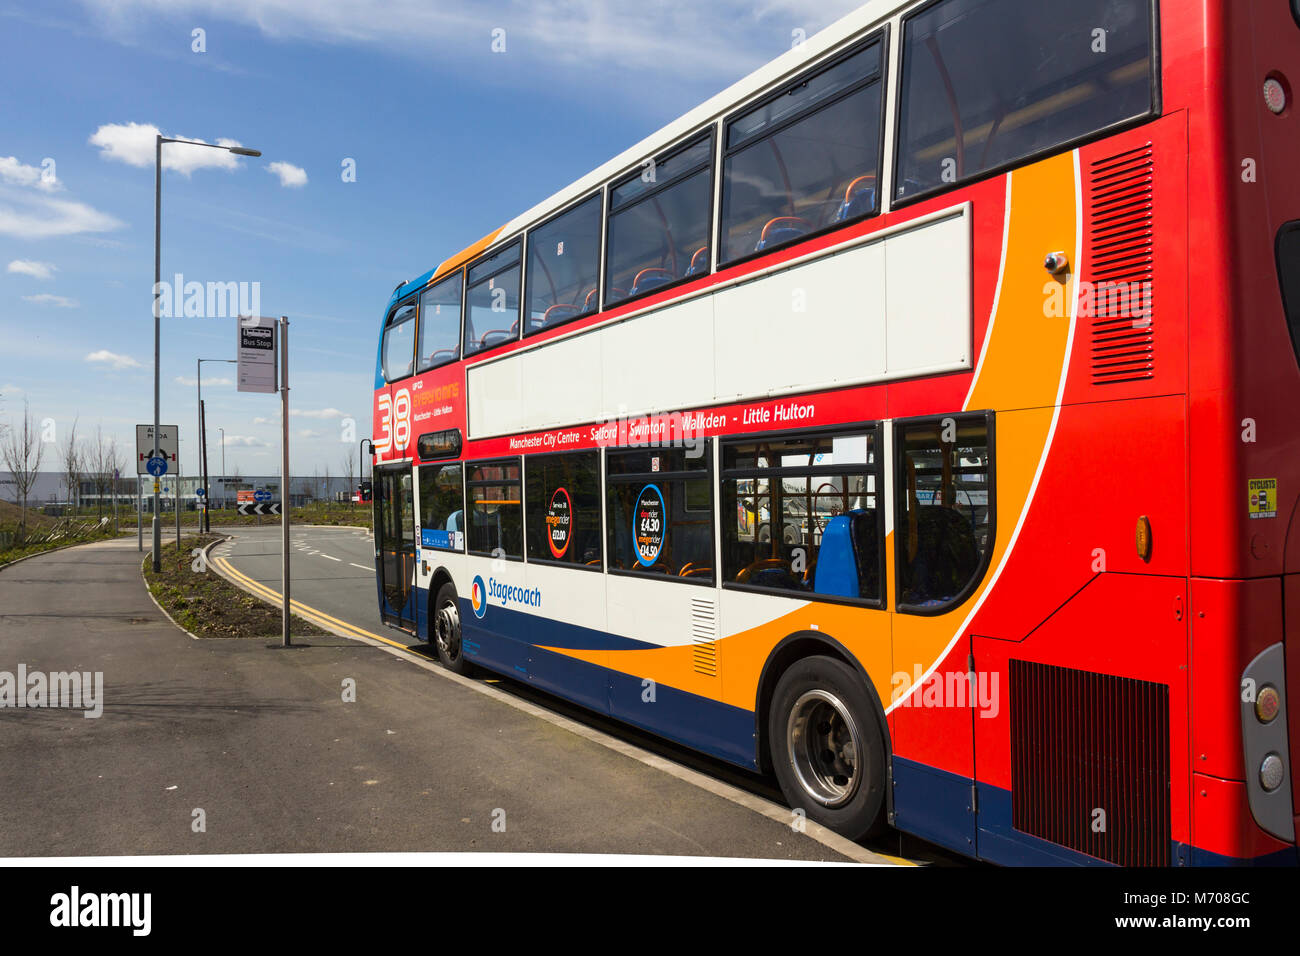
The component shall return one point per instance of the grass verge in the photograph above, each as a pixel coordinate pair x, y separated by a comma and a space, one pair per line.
206, 604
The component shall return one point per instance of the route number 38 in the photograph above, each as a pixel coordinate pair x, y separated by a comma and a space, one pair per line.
394, 422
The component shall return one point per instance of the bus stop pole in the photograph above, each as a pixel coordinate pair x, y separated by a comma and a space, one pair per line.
177, 501
284, 476
139, 514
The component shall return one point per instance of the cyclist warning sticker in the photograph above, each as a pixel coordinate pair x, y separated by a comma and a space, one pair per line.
1263, 497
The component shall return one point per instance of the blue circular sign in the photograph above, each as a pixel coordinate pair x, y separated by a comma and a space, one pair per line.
261, 496
649, 525
200, 492
156, 467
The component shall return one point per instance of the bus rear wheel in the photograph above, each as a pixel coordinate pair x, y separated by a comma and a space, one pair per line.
828, 747
446, 630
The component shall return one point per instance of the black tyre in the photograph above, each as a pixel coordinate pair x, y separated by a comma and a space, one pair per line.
445, 628
828, 746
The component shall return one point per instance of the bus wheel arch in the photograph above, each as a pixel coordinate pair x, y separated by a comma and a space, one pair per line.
811, 672
444, 622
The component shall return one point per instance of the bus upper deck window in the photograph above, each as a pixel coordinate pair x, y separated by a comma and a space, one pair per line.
399, 342
806, 158
987, 83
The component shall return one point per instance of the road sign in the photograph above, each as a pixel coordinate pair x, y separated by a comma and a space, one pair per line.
260, 508
261, 496
168, 445
200, 492
156, 467
255, 348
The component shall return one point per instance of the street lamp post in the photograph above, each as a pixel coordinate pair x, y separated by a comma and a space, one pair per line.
203, 439
159, 139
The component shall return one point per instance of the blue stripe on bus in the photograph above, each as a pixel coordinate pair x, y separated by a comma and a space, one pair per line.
510, 647
545, 632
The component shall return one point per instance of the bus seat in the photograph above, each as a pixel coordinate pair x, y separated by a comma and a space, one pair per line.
837, 563
699, 262
769, 573
946, 555
782, 229
498, 336
648, 279
697, 570
555, 315
859, 198
440, 355
589, 300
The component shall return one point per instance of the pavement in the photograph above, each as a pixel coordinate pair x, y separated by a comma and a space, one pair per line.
234, 746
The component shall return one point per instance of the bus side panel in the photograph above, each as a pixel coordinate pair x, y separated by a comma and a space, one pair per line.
1149, 644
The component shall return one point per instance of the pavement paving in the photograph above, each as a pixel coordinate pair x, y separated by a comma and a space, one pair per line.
259, 745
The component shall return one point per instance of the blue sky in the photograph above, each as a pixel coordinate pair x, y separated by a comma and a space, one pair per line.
449, 139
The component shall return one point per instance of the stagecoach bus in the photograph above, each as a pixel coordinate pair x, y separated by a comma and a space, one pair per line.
915, 420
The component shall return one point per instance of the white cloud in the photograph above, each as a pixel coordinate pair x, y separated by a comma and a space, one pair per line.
46, 298
29, 267
17, 173
290, 175
308, 433
182, 380
28, 215
709, 42
133, 144
315, 413
266, 421
9, 388
245, 441
112, 359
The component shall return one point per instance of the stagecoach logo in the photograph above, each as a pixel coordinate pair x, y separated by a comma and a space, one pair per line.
478, 596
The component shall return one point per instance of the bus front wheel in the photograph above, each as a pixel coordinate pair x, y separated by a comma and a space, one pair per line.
828, 747
446, 630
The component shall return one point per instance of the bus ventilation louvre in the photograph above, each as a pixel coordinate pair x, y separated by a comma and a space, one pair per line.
1084, 745
704, 633
1120, 266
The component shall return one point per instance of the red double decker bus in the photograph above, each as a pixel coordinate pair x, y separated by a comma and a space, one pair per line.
915, 419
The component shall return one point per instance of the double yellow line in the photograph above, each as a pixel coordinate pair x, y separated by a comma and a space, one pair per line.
319, 618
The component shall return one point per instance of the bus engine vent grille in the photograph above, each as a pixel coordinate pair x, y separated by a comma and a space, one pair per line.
1090, 762
1120, 268
704, 633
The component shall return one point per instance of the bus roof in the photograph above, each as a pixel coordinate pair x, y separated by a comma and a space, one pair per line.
870, 15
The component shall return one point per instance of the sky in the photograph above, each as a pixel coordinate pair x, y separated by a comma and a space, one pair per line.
393, 134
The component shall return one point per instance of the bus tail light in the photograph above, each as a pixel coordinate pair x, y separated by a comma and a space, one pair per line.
1267, 704
1275, 95
1264, 737
1272, 772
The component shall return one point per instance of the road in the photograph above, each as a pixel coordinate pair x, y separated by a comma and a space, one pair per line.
231, 746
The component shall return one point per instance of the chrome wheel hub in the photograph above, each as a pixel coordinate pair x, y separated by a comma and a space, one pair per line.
447, 630
823, 742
